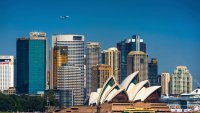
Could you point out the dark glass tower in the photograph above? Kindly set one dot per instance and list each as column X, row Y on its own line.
column 153, row 72
column 125, row 46
column 31, row 64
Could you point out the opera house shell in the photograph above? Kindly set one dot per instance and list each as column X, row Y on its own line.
column 130, row 90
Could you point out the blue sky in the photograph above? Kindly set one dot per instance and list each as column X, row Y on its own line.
column 171, row 28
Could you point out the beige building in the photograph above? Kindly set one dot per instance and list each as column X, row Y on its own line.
column 100, row 73
column 112, row 58
column 181, row 81
column 138, row 61
column 165, row 83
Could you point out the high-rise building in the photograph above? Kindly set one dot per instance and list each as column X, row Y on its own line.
column 112, row 58
column 125, row 46
column 181, row 81
column 59, row 58
column 75, row 45
column 138, row 61
column 165, row 84
column 93, row 53
column 69, row 78
column 100, row 73
column 32, row 63
column 15, row 73
column 6, row 72
column 153, row 72
column 103, row 57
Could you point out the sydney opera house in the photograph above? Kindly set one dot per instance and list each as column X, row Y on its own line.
column 130, row 94
column 128, row 91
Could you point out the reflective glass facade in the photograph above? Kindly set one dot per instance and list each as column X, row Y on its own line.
column 153, row 72
column 125, row 47
column 31, row 65
column 75, row 45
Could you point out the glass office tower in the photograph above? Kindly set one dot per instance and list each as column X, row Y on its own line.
column 75, row 45
column 125, row 46
column 32, row 63
column 153, row 72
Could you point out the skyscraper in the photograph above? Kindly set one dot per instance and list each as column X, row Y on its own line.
column 93, row 53
column 100, row 73
column 181, row 81
column 153, row 72
column 75, row 45
column 59, row 58
column 69, row 80
column 6, row 72
column 32, row 63
column 125, row 46
column 165, row 84
column 112, row 58
column 138, row 61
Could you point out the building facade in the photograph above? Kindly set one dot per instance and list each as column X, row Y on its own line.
column 112, row 58
column 138, row 61
column 59, row 58
column 32, row 63
column 181, row 81
column 69, row 78
column 165, row 84
column 75, row 45
column 6, row 72
column 93, row 57
column 153, row 72
column 125, row 46
column 100, row 73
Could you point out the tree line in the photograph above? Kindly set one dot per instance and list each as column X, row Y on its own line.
column 26, row 103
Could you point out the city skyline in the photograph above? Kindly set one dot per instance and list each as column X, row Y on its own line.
column 171, row 34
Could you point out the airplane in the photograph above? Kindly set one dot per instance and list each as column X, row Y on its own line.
column 64, row 17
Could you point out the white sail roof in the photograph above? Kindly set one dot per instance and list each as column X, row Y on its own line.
column 134, row 90
column 145, row 92
column 126, row 82
column 93, row 98
column 106, row 88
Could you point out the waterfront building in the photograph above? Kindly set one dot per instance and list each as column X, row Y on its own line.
column 181, row 81
column 6, row 72
column 112, row 58
column 100, row 73
column 32, row 63
column 129, row 96
column 125, row 46
column 153, row 72
column 93, row 57
column 138, row 61
column 75, row 45
column 165, row 84
column 187, row 102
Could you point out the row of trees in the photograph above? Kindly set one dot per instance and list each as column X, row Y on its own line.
column 26, row 103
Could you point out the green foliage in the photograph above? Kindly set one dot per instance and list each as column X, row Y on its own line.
column 51, row 97
column 25, row 103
